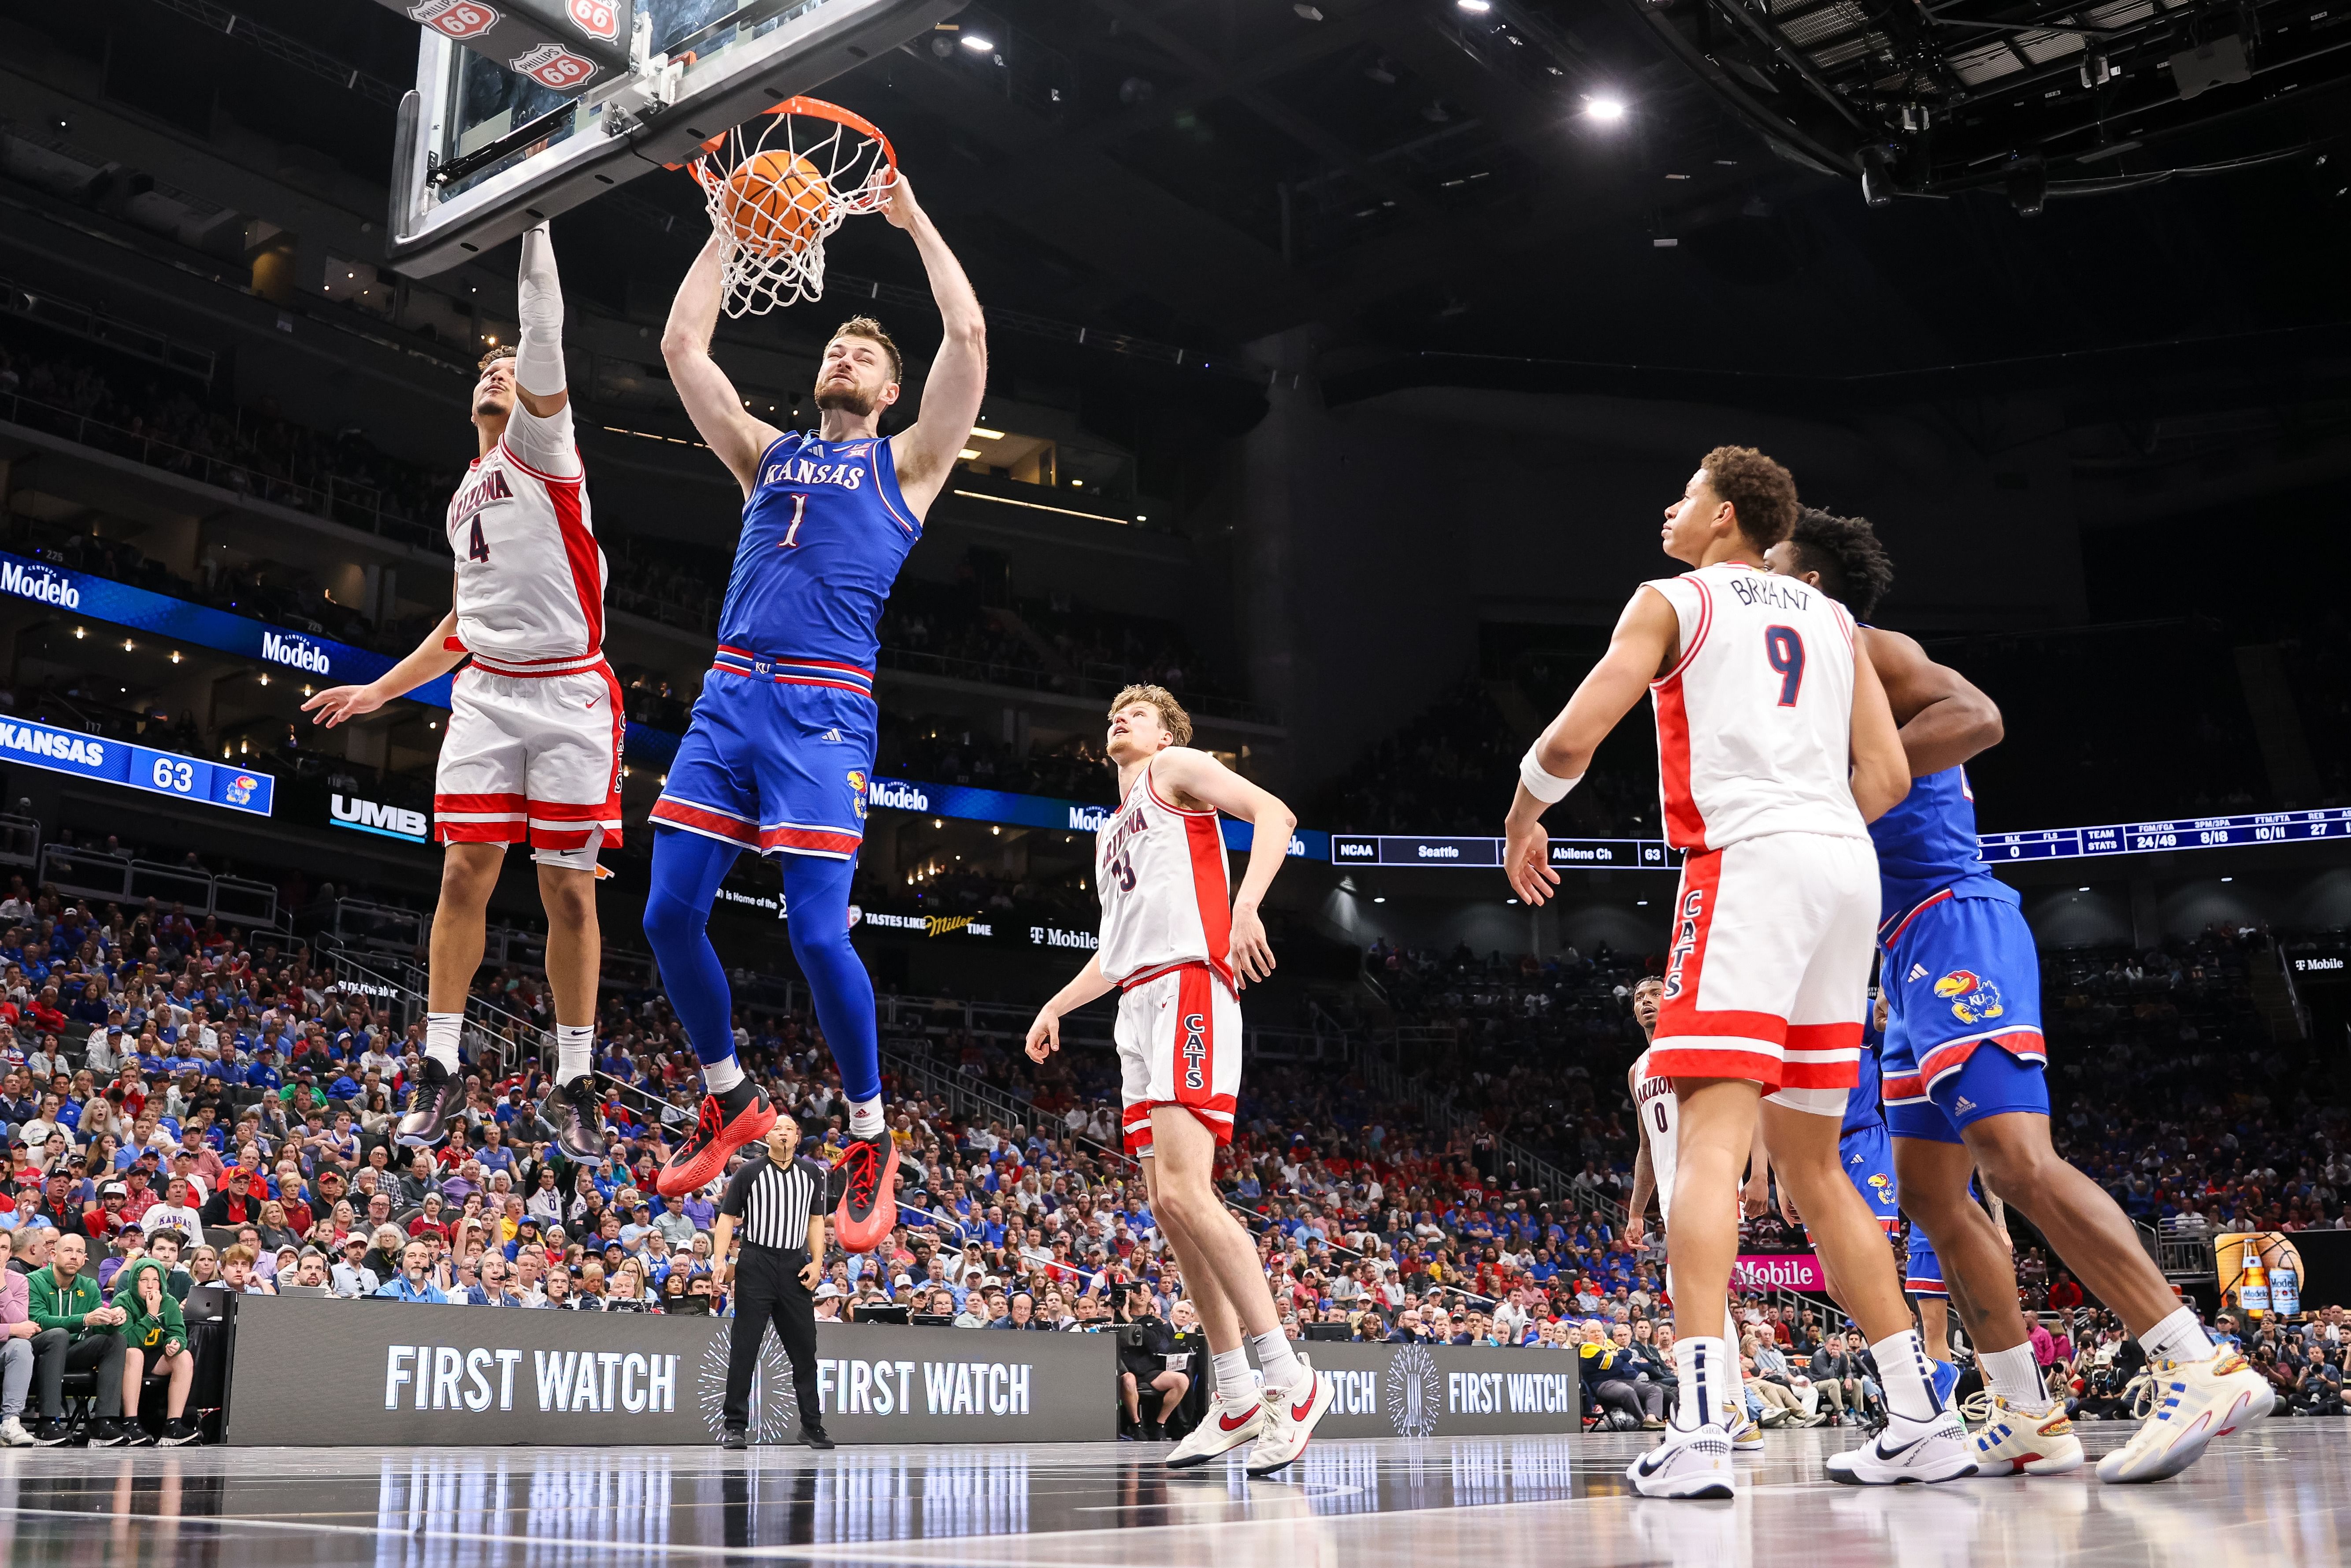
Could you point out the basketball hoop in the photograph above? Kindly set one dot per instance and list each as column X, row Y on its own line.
column 777, row 196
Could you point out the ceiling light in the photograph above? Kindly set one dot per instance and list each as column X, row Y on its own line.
column 1640, row 903
column 175, row 655
column 986, row 434
column 974, row 42
column 1141, row 519
column 2227, row 878
column 80, row 632
column 127, row 645
column 1608, row 110
column 1379, row 898
column 1308, row 12
column 1474, row 8
column 2080, row 889
column 968, row 454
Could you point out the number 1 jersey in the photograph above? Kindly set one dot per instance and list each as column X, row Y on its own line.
column 1755, row 718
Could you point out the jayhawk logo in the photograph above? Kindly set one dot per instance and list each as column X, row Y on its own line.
column 1973, row 999
column 857, row 792
column 241, row 788
column 1883, row 1185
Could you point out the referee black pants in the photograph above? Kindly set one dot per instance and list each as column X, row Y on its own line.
column 768, row 1288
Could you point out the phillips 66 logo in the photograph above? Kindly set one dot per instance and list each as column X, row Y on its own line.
column 552, row 65
column 458, row 18
column 597, row 18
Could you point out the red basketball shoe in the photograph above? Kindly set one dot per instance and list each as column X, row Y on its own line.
column 867, row 1170
column 742, row 1115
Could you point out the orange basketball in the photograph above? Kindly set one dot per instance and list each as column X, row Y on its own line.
column 774, row 203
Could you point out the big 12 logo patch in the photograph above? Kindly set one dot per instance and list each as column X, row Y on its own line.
column 552, row 65
column 456, row 18
column 597, row 18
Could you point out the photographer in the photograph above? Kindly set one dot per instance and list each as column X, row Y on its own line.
column 1145, row 1367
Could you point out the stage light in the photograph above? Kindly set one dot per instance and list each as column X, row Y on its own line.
column 1608, row 110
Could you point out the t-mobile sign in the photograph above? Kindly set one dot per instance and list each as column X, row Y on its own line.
column 1779, row 1271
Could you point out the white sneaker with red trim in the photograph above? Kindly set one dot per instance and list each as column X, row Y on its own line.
column 1228, row 1424
column 1291, row 1417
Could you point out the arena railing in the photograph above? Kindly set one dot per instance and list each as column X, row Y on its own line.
column 124, row 878
column 20, row 841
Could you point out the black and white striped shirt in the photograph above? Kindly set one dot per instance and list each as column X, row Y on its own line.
column 774, row 1202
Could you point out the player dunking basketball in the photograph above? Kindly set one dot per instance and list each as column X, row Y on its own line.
column 1179, row 954
column 533, row 749
column 1775, row 748
column 1967, row 1067
column 781, row 746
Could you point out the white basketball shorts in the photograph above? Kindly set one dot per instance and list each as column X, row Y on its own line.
column 532, row 759
column 1768, row 973
column 1179, row 1043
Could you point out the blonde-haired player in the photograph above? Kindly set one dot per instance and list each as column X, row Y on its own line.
column 1179, row 955
column 533, row 749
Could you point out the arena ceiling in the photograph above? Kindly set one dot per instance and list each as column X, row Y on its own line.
column 1470, row 187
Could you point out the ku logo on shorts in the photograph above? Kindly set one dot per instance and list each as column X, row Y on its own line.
column 1196, row 1050
column 1972, row 998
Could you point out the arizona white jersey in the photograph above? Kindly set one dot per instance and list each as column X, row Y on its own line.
column 1755, row 718
column 531, row 576
column 1660, row 1111
column 1165, row 899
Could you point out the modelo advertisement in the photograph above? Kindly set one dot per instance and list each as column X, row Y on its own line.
column 307, row 1371
column 1446, row 1391
column 2288, row 1272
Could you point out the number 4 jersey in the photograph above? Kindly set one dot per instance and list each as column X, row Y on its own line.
column 531, row 576
column 1755, row 718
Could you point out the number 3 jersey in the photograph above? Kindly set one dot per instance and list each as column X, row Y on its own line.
column 1160, row 871
column 531, row 576
column 1755, row 718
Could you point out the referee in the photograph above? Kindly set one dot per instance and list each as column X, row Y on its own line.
column 779, row 1202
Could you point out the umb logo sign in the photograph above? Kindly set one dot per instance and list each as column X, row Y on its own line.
column 284, row 648
column 374, row 816
column 457, row 18
column 40, row 584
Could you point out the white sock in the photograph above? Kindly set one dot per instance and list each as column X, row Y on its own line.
column 1734, row 1391
column 1698, row 1361
column 575, row 1052
column 718, row 1077
column 1277, row 1360
column 2179, row 1337
column 441, row 1038
column 1904, row 1372
column 1233, row 1375
column 2014, row 1375
column 865, row 1118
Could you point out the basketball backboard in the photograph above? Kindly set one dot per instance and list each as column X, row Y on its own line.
column 483, row 151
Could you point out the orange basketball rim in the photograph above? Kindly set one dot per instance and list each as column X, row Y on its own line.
column 777, row 195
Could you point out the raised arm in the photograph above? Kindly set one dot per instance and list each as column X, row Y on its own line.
column 925, row 451
column 710, row 399
column 539, row 383
column 1200, row 777
column 1640, row 645
column 1945, row 719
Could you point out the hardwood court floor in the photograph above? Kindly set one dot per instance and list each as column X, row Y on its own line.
column 2275, row 1495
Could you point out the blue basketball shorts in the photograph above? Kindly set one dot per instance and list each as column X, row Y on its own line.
column 778, row 759
column 1923, row 1276
column 1868, row 1156
column 1962, row 974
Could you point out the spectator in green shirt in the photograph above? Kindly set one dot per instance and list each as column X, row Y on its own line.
column 154, row 1338
column 77, row 1335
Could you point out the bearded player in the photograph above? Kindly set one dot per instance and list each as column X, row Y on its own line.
column 1179, row 953
column 1966, row 1074
column 533, row 750
column 781, row 746
column 1775, row 749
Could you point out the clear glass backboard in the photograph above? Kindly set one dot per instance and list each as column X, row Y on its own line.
column 483, row 152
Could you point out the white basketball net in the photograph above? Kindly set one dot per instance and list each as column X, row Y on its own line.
column 856, row 164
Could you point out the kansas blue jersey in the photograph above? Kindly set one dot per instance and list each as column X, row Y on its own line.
column 1928, row 842
column 824, row 533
